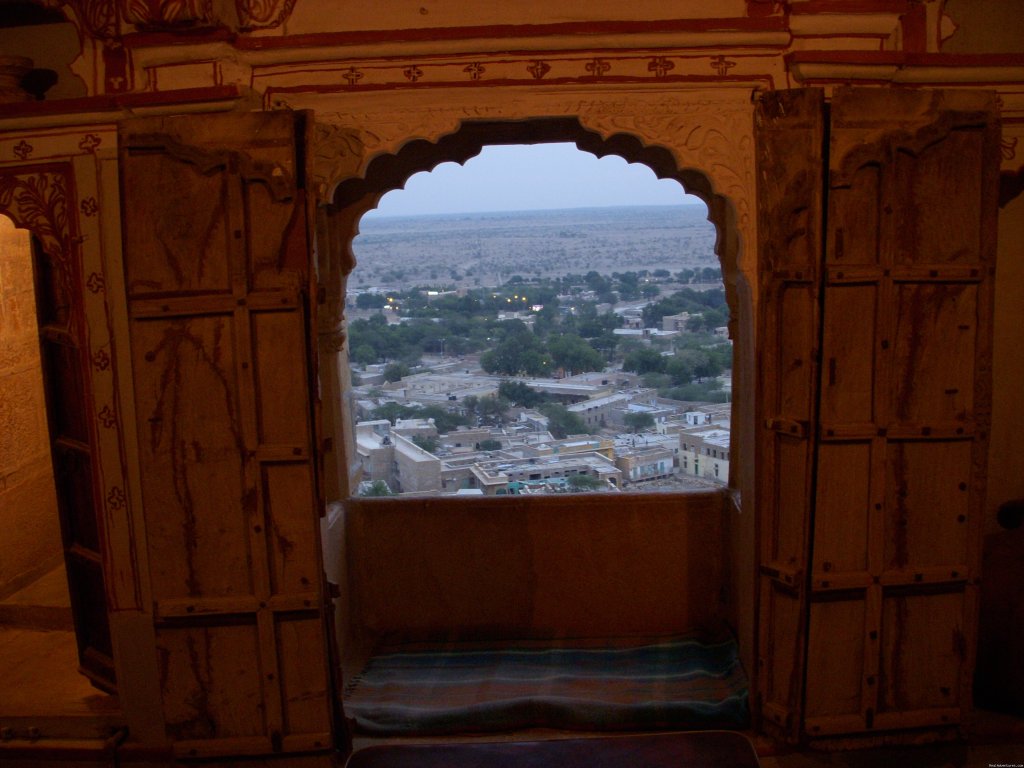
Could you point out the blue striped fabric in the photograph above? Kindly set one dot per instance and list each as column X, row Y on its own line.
column 625, row 684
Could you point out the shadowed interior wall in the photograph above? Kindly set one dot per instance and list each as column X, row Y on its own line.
column 1005, row 480
column 593, row 565
column 30, row 544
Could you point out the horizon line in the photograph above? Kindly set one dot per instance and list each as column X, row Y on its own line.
column 377, row 214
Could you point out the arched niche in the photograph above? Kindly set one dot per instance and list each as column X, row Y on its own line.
column 355, row 167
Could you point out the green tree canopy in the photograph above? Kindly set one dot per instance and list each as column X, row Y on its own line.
column 584, row 482
column 574, row 354
column 519, row 393
column 428, row 443
column 517, row 354
column 562, row 422
column 638, row 421
column 396, row 371
column 493, row 408
column 377, row 488
column 644, row 360
column 369, row 301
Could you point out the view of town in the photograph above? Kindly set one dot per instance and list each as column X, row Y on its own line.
column 546, row 352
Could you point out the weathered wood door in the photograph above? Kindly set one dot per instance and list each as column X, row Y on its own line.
column 790, row 131
column 64, row 355
column 219, row 279
column 905, row 382
column 868, row 600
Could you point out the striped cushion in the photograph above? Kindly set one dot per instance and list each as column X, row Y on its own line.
column 664, row 683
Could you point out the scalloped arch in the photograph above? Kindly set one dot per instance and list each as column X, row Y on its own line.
column 383, row 172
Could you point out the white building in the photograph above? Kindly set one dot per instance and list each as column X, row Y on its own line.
column 704, row 452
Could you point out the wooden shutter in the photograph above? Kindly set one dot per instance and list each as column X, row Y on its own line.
column 218, row 273
column 65, row 360
column 904, row 408
column 789, row 129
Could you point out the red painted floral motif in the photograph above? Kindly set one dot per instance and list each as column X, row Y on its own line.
column 164, row 14
column 598, row 67
column 101, row 360
column 107, row 417
column 89, row 142
column 89, row 206
column 538, row 69
column 412, row 73
column 96, row 282
column 475, row 70
column 23, row 149
column 116, row 498
column 38, row 202
column 353, row 75
column 721, row 65
column 263, row 14
column 659, row 65
column 99, row 17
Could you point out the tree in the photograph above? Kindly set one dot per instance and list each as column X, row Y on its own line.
column 597, row 282
column 493, row 408
column 707, row 392
column 562, row 422
column 519, row 353
column 377, row 488
column 369, row 301
column 519, row 393
column 574, row 354
column 444, row 420
column 637, row 421
column 490, row 444
column 396, row 372
column 644, row 360
column 687, row 364
column 629, row 285
column 656, row 380
column 364, row 354
column 428, row 443
column 391, row 411
column 584, row 482
column 606, row 344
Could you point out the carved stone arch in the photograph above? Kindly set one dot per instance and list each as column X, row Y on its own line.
column 691, row 142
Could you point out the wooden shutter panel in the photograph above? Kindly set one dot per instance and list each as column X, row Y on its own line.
column 789, row 129
column 218, row 273
column 904, row 408
column 65, row 361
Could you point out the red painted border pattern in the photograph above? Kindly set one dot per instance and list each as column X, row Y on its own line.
column 433, row 34
column 122, row 102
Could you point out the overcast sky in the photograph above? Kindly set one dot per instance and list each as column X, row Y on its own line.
column 526, row 178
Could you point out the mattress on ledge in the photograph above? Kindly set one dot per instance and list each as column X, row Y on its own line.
column 677, row 683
